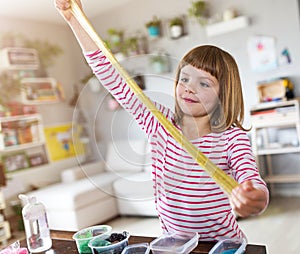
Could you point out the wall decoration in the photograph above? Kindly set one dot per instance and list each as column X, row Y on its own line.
column 63, row 142
column 262, row 53
column 285, row 57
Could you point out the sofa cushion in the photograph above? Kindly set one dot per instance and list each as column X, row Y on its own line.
column 138, row 186
column 135, row 195
column 82, row 171
column 75, row 195
column 125, row 155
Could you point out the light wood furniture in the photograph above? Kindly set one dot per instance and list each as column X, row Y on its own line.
column 271, row 118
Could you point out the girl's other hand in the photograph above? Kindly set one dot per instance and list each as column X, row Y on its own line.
column 247, row 200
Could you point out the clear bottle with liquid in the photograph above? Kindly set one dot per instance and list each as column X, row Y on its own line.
column 36, row 225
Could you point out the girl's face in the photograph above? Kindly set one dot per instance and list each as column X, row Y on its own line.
column 197, row 92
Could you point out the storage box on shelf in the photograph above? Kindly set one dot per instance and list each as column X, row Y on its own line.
column 40, row 91
column 19, row 59
column 22, row 142
column 273, row 117
column 275, row 90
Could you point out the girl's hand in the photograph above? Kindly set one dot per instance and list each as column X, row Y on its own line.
column 247, row 200
column 64, row 7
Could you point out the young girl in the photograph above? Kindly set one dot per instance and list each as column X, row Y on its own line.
column 209, row 112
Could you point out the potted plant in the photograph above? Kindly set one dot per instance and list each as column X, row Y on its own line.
column 176, row 27
column 159, row 62
column 115, row 35
column 10, row 85
column 199, row 11
column 47, row 52
column 153, row 27
column 130, row 46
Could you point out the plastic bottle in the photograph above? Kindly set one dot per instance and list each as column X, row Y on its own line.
column 36, row 225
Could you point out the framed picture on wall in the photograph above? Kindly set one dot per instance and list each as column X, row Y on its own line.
column 15, row 161
column 64, row 142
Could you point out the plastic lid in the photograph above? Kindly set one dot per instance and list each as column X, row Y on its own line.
column 174, row 243
column 26, row 199
column 235, row 246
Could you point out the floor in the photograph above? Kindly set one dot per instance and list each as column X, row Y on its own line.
column 278, row 227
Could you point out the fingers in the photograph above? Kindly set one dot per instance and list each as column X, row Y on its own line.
column 62, row 4
column 246, row 200
column 247, row 186
column 246, row 192
column 246, row 206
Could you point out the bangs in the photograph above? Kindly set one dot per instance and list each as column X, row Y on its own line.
column 207, row 58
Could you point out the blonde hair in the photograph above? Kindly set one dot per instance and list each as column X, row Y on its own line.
column 221, row 65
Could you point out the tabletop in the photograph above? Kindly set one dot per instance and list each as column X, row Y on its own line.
column 67, row 246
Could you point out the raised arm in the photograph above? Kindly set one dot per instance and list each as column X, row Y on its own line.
column 84, row 40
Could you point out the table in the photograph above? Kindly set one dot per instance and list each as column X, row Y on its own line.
column 67, row 246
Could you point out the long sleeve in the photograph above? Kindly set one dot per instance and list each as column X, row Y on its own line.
column 118, row 87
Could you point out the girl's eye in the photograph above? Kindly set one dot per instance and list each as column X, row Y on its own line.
column 204, row 84
column 185, row 80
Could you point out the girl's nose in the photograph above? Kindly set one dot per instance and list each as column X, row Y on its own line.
column 189, row 90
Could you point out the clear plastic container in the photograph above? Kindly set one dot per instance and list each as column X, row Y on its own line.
column 139, row 248
column 36, row 225
column 85, row 235
column 229, row 246
column 96, row 245
column 174, row 243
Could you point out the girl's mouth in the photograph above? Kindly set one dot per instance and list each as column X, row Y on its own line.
column 189, row 100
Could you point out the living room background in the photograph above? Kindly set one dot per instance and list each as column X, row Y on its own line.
column 281, row 22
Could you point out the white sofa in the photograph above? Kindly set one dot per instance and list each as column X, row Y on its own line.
column 96, row 192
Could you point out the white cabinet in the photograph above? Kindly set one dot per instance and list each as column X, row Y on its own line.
column 22, row 142
column 276, row 130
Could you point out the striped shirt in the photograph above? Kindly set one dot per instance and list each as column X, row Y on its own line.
column 187, row 199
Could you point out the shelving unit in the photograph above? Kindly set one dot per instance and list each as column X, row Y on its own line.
column 268, row 118
column 22, row 142
column 227, row 26
column 22, row 138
